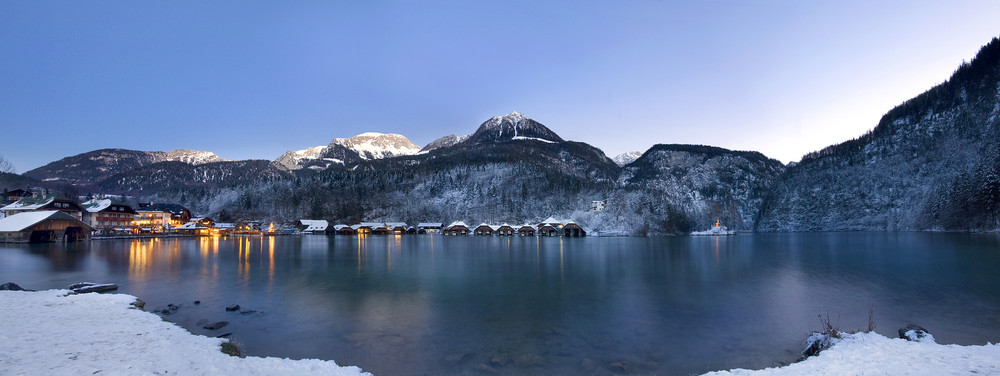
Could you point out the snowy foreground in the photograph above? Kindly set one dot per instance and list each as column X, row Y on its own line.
column 52, row 333
column 874, row 354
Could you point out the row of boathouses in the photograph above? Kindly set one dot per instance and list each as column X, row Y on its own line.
column 548, row 227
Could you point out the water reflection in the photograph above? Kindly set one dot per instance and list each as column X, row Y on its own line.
column 446, row 305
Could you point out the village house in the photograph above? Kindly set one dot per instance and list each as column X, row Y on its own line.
column 204, row 221
column 457, row 228
column 223, row 228
column 193, row 228
column 108, row 216
column 179, row 215
column 43, row 202
column 598, row 205
column 15, row 195
column 43, row 227
column 248, row 227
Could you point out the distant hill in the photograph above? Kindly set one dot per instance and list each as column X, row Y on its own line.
column 931, row 163
column 704, row 183
column 90, row 167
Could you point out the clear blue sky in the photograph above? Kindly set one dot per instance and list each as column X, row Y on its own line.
column 249, row 79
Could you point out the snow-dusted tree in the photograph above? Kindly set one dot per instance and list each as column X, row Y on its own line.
column 6, row 166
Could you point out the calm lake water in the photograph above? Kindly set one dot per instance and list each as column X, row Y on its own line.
column 432, row 305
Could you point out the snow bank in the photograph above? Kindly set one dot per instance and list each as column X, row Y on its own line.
column 874, row 354
column 50, row 333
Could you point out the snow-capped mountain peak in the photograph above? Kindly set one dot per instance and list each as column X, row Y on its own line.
column 626, row 158
column 193, row 157
column 292, row 158
column 374, row 145
column 513, row 126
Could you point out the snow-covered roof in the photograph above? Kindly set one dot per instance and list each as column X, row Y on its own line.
column 395, row 224
column 458, row 223
column 224, row 225
column 29, row 203
column 340, row 227
column 315, row 224
column 551, row 221
column 429, row 224
column 21, row 221
column 191, row 226
column 372, row 224
column 95, row 205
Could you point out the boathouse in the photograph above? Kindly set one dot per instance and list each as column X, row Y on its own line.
column 313, row 226
column 396, row 228
column 429, row 227
column 547, row 230
column 457, row 228
column 344, row 230
column 44, row 203
column 571, row 229
column 505, row 230
column 526, row 230
column 43, row 227
column 484, row 230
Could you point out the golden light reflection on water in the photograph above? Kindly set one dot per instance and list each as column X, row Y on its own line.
column 270, row 262
column 361, row 249
column 139, row 259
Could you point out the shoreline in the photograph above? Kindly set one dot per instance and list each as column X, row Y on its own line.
column 54, row 332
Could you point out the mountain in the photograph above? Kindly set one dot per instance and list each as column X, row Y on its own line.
column 174, row 175
column 513, row 126
column 703, row 183
column 349, row 151
column 293, row 159
column 373, row 145
column 193, row 157
column 626, row 158
column 90, row 167
column 86, row 168
column 932, row 162
column 443, row 142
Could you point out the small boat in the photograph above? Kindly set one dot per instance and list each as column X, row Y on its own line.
column 718, row 229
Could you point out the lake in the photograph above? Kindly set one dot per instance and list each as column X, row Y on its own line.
column 432, row 305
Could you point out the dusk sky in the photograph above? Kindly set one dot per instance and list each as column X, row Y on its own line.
column 250, row 79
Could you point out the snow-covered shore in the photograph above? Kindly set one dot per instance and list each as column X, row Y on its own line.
column 50, row 332
column 874, row 354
